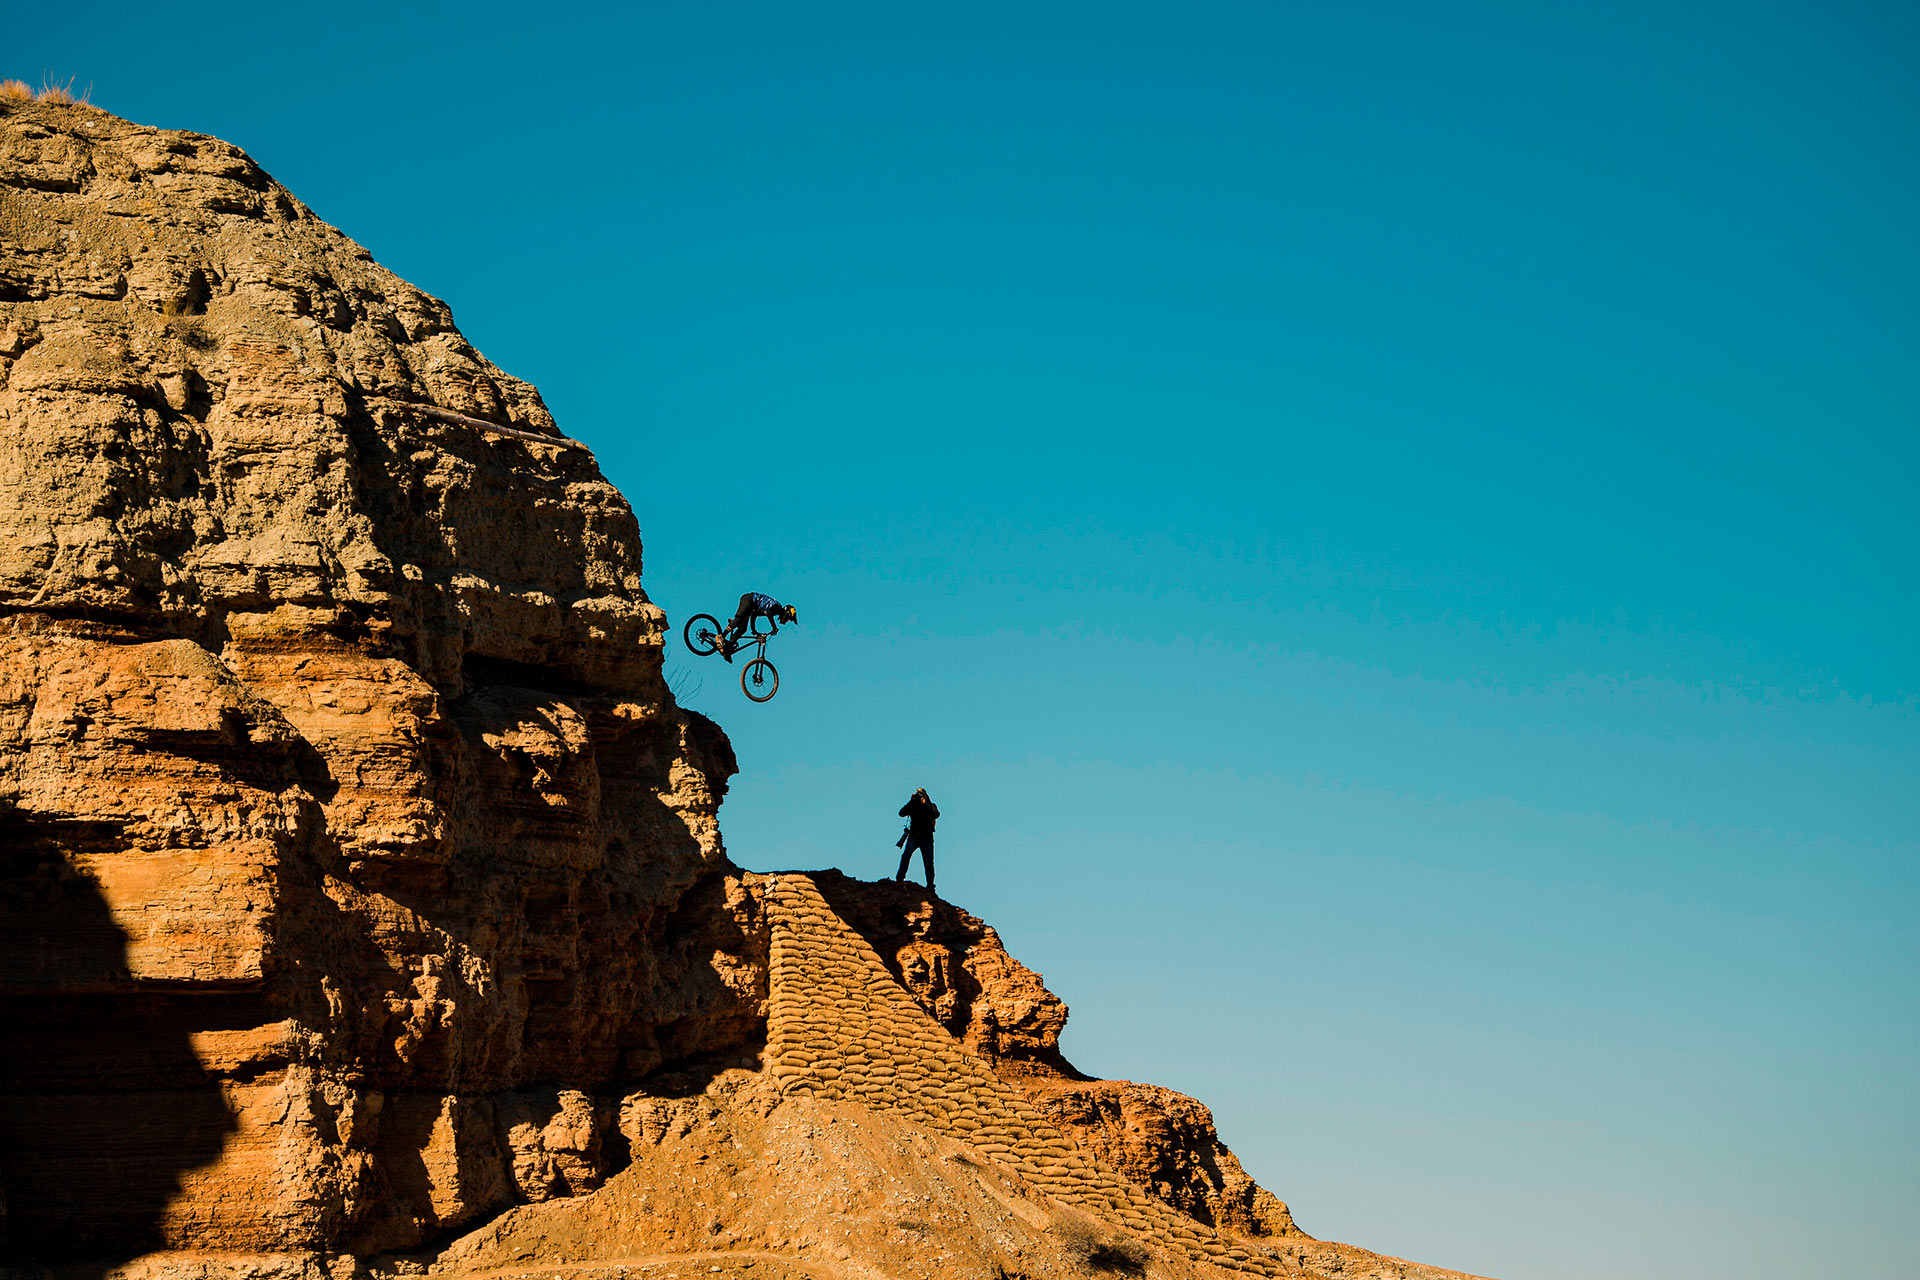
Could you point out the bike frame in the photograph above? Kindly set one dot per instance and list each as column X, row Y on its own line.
column 754, row 635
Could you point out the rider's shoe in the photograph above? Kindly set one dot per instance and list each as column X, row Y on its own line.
column 726, row 650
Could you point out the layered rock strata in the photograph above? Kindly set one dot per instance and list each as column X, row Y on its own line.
column 353, row 845
column 363, row 905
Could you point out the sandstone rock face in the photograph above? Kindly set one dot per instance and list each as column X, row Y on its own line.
column 353, row 845
column 363, row 905
column 1165, row 1142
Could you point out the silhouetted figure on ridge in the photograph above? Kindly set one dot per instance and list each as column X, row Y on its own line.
column 921, row 813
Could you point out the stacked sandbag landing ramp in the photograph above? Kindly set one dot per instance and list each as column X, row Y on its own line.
column 840, row 1027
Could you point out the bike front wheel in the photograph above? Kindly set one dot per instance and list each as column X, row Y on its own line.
column 702, row 634
column 759, row 680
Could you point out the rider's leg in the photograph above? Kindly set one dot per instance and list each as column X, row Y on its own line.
column 736, row 627
column 742, row 616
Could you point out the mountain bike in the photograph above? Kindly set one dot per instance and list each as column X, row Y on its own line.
column 758, row 679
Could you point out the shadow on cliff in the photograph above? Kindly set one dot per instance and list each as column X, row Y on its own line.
column 104, row 1106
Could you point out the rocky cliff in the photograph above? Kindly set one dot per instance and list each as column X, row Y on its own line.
column 363, row 906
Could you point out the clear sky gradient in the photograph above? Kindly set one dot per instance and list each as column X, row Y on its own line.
column 1388, row 529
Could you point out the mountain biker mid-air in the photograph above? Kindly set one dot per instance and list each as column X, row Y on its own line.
column 753, row 605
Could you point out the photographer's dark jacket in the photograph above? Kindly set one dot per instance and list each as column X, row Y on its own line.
column 920, row 815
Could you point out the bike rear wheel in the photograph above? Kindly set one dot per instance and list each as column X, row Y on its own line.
column 702, row 634
column 759, row 680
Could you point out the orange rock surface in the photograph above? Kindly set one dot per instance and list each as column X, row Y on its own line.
column 363, row 903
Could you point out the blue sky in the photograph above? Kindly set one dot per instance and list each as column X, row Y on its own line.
column 1388, row 529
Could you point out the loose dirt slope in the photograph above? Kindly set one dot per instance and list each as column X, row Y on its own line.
column 363, row 906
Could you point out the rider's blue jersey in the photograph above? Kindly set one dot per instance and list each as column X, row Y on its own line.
column 765, row 604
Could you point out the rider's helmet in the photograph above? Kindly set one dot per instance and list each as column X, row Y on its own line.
column 793, row 614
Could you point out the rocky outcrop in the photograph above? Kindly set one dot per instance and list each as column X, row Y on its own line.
column 1165, row 1143
column 363, row 904
column 352, row 839
column 957, row 970
column 954, row 965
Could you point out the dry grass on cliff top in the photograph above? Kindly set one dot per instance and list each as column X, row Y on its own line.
column 61, row 95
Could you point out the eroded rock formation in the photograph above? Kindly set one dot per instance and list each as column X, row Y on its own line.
column 334, row 753
column 362, row 897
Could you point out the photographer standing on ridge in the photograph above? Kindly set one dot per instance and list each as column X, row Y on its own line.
column 921, row 813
